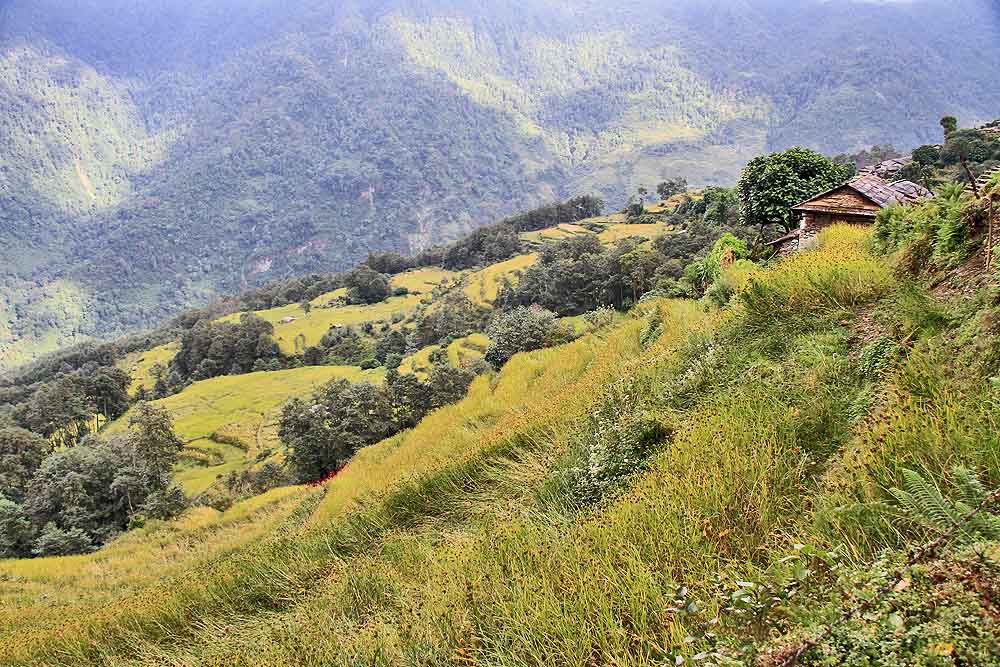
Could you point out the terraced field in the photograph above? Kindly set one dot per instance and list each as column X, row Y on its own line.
column 482, row 286
column 228, row 421
column 461, row 352
column 560, row 512
column 295, row 329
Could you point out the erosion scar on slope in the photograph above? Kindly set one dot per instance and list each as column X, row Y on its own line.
column 88, row 186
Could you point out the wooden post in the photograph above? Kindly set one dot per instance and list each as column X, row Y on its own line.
column 989, row 237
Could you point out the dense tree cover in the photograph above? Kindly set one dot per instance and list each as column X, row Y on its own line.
column 280, row 293
column 454, row 316
column 223, row 348
column 579, row 274
column 232, row 189
column 64, row 408
column 21, row 454
column 867, row 157
column 771, row 184
column 964, row 151
column 970, row 145
column 78, row 498
column 324, row 431
column 340, row 346
column 571, row 277
column 715, row 206
column 499, row 241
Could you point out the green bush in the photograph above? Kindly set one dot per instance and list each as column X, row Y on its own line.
column 936, row 230
column 522, row 329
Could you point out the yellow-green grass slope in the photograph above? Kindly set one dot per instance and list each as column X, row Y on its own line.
column 551, row 516
column 37, row 596
column 139, row 365
column 295, row 329
column 229, row 422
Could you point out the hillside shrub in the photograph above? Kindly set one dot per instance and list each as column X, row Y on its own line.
column 55, row 541
column 730, row 281
column 579, row 274
column 935, row 232
column 522, row 329
column 366, row 286
column 17, row 533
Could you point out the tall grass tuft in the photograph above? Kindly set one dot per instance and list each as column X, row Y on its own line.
column 826, row 282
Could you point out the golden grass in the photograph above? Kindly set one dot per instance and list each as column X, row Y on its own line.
column 525, row 395
column 423, row 280
column 139, row 364
column 482, row 286
column 420, row 596
column 832, row 278
column 38, row 595
column 308, row 328
column 455, row 542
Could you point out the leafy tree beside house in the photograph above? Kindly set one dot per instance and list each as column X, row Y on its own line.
column 770, row 185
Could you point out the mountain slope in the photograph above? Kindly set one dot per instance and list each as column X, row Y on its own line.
column 159, row 155
column 689, row 481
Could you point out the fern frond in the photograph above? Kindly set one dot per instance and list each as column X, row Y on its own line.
column 930, row 502
column 983, row 526
column 924, row 503
column 972, row 490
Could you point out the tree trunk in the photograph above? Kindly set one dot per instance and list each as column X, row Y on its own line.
column 972, row 179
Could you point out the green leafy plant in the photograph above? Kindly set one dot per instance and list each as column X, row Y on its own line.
column 923, row 502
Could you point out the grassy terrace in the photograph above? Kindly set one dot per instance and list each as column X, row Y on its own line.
column 243, row 409
column 482, row 286
column 307, row 329
column 140, row 365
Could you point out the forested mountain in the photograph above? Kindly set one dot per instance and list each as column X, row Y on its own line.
column 155, row 154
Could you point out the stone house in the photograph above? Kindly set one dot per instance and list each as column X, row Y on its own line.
column 855, row 202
